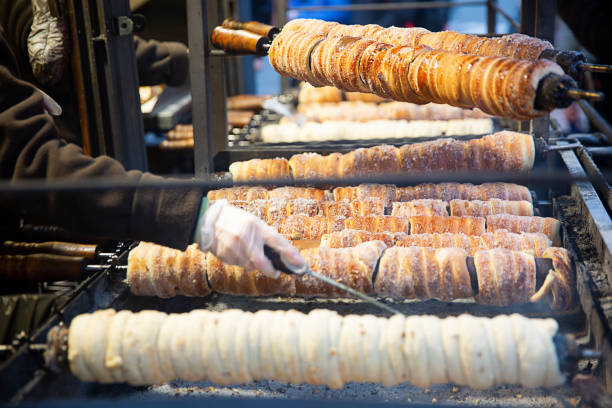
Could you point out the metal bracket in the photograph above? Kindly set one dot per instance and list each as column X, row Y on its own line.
column 124, row 25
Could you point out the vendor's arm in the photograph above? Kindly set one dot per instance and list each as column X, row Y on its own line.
column 30, row 147
column 161, row 62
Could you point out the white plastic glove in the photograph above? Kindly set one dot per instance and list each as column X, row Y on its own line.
column 237, row 238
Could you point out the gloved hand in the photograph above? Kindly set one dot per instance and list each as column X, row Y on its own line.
column 237, row 238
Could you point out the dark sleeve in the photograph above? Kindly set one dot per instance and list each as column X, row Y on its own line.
column 161, row 62
column 590, row 21
column 31, row 148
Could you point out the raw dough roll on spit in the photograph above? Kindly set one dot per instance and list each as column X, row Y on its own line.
column 321, row 347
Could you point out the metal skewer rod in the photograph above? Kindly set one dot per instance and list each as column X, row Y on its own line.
column 97, row 268
column 39, row 347
column 600, row 68
column 582, row 94
column 355, row 293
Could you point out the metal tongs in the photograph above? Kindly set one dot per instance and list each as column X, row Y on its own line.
column 285, row 267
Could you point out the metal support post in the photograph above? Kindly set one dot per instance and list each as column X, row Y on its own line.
column 491, row 16
column 538, row 20
column 107, row 77
column 207, row 88
column 280, row 8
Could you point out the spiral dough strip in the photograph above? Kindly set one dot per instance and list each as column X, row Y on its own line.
column 319, row 348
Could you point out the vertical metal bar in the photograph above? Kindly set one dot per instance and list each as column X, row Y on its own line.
column 217, row 86
column 90, row 107
column 197, row 26
column 233, row 66
column 245, row 13
column 538, row 20
column 118, row 80
column 207, row 88
column 491, row 16
column 281, row 18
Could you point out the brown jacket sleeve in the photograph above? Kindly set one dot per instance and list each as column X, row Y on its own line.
column 30, row 147
column 161, row 62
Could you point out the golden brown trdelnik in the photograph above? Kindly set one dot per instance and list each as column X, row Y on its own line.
column 155, row 270
column 261, row 169
column 423, row 273
column 421, row 224
column 478, row 208
column 501, row 151
column 497, row 85
column 519, row 224
column 351, row 237
column 504, row 276
column 517, row 46
column 387, row 193
column 424, row 206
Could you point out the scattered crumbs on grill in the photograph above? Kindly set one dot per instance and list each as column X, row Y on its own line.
column 570, row 214
column 434, row 400
column 519, row 396
column 454, row 389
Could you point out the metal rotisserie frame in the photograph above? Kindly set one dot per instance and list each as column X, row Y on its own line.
column 587, row 234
